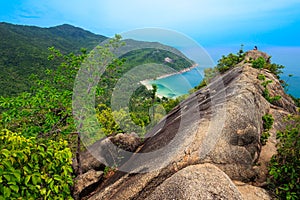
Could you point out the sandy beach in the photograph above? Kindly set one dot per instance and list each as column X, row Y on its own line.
column 149, row 86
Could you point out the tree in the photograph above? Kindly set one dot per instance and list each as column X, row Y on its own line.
column 46, row 111
column 154, row 91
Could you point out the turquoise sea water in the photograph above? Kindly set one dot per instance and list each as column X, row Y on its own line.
column 178, row 84
column 294, row 85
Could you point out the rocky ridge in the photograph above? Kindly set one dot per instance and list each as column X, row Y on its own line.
column 208, row 147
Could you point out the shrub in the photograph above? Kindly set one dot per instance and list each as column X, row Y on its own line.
column 284, row 169
column 261, row 77
column 266, row 93
column 268, row 121
column 259, row 63
column 32, row 169
column 267, row 124
column 229, row 61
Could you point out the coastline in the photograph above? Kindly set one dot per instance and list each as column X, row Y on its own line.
column 149, row 86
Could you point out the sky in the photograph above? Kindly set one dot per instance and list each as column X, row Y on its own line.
column 220, row 26
column 214, row 22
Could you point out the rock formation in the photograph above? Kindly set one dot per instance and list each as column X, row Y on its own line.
column 208, row 147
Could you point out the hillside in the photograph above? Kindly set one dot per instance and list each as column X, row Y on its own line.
column 24, row 50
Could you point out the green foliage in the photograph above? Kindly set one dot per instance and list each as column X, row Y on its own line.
column 284, row 168
column 152, row 55
column 132, row 59
column 261, row 77
column 42, row 117
column 259, row 63
column 268, row 121
column 274, row 68
column 224, row 64
column 169, row 104
column 267, row 124
column 24, row 51
column 266, row 92
column 34, row 169
column 229, row 61
column 264, row 137
column 47, row 109
column 113, row 122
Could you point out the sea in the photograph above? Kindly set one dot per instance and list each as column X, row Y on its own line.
column 177, row 84
column 181, row 83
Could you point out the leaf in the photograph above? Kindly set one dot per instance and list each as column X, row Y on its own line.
column 17, row 175
column 5, row 152
column 56, row 189
column 27, row 179
column 34, row 179
column 43, row 191
column 7, row 177
column 15, row 188
column 6, row 192
column 57, row 177
column 1, row 170
column 26, row 169
column 7, row 164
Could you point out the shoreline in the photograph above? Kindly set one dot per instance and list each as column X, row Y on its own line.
column 149, row 86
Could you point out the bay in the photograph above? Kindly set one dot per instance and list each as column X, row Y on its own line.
column 181, row 83
column 178, row 84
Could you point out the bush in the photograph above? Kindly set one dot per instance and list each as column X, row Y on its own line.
column 229, row 61
column 267, row 124
column 261, row 77
column 259, row 63
column 268, row 121
column 284, row 169
column 32, row 169
column 266, row 93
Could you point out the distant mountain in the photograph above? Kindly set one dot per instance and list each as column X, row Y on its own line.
column 24, row 50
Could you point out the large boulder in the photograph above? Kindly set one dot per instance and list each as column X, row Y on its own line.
column 197, row 182
column 95, row 155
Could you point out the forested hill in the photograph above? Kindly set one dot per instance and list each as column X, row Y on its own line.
column 24, row 50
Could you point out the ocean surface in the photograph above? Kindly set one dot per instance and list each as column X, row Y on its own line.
column 180, row 84
column 293, row 84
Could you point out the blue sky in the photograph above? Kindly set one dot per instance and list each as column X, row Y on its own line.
column 220, row 26
column 214, row 22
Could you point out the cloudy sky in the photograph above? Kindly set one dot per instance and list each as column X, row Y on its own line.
column 220, row 26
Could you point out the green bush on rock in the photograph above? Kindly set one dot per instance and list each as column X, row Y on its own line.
column 34, row 170
column 284, row 169
column 268, row 121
